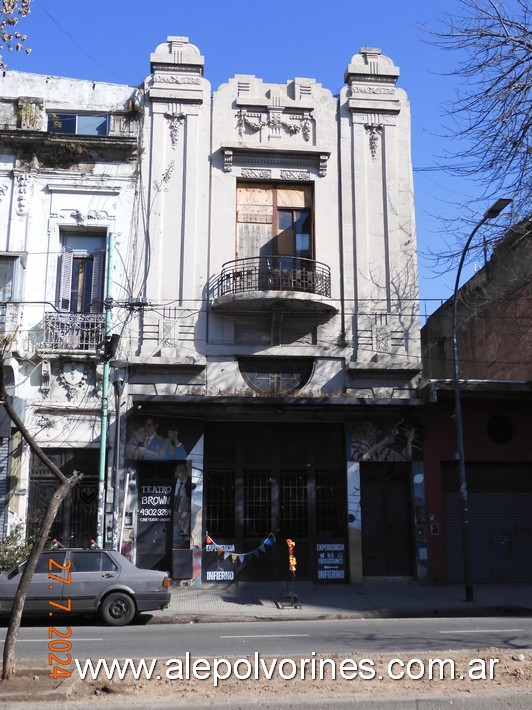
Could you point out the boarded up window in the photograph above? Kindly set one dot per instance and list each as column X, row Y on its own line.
column 258, row 208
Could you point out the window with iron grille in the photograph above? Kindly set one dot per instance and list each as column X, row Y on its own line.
column 271, row 376
column 294, row 502
column 330, row 504
column 257, row 503
column 220, row 505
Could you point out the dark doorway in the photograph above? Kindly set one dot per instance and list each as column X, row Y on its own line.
column 386, row 520
column 75, row 524
column 282, row 479
column 156, row 484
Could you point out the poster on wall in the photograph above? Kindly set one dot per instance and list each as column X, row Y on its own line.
column 223, row 562
column 381, row 440
column 330, row 558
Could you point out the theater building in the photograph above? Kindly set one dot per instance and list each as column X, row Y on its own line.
column 252, row 250
column 274, row 337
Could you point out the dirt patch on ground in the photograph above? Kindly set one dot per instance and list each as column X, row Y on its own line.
column 471, row 671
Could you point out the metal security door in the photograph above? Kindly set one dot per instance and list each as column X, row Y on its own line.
column 386, row 520
column 267, row 478
column 76, row 520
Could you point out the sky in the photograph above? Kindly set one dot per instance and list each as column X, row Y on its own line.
column 275, row 40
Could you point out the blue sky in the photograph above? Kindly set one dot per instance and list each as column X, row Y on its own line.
column 275, row 40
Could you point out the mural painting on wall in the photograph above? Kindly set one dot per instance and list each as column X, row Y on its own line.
column 151, row 440
column 163, row 493
column 377, row 440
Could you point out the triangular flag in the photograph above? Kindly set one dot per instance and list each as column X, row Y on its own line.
column 241, row 558
column 268, row 541
column 208, row 540
column 256, row 553
column 262, row 548
column 233, row 558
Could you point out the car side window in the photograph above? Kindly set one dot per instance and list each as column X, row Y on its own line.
column 92, row 562
column 43, row 564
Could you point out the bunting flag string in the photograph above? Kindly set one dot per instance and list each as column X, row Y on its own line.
column 240, row 556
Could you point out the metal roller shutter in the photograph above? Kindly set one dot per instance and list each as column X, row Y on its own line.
column 500, row 500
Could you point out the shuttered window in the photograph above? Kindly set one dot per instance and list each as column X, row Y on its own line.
column 82, row 273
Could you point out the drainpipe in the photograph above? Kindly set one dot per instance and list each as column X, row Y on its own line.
column 105, row 395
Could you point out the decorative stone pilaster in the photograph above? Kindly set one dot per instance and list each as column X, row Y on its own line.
column 24, row 182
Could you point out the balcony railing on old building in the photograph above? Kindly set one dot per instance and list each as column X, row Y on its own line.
column 275, row 273
column 73, row 331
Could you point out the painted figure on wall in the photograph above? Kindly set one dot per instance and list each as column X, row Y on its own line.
column 373, row 442
column 145, row 443
column 182, row 507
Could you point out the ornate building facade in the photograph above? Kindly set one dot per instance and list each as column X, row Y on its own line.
column 263, row 298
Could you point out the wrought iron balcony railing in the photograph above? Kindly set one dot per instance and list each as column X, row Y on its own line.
column 275, row 273
column 73, row 331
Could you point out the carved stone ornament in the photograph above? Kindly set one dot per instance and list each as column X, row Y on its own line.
column 175, row 123
column 24, row 185
column 172, row 79
column 4, row 187
column 73, row 377
column 374, row 133
column 374, row 90
column 228, row 160
column 323, row 165
column 254, row 122
column 294, row 175
column 256, row 174
column 85, row 217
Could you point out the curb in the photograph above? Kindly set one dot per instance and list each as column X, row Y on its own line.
column 392, row 613
column 36, row 678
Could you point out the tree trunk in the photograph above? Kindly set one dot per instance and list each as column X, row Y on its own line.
column 60, row 494
column 66, row 485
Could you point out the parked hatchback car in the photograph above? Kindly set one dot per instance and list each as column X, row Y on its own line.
column 90, row 581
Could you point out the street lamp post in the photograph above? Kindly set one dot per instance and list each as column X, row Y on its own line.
column 493, row 212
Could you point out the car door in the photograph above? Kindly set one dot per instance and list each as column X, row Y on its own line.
column 43, row 588
column 92, row 573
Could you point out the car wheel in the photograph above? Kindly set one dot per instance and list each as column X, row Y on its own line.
column 118, row 609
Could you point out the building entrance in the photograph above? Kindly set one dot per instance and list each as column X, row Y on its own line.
column 387, row 547
column 76, row 520
column 275, row 481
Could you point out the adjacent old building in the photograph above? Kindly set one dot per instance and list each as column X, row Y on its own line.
column 255, row 262
column 67, row 166
column 495, row 352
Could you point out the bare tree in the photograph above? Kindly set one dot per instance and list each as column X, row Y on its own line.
column 64, row 488
column 10, row 38
column 490, row 118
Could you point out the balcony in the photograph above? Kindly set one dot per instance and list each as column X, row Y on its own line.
column 273, row 282
column 73, row 332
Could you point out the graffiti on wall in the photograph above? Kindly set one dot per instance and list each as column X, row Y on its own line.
column 377, row 440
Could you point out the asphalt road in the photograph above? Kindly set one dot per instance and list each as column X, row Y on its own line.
column 347, row 636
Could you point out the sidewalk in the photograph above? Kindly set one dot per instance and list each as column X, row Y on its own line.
column 258, row 600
